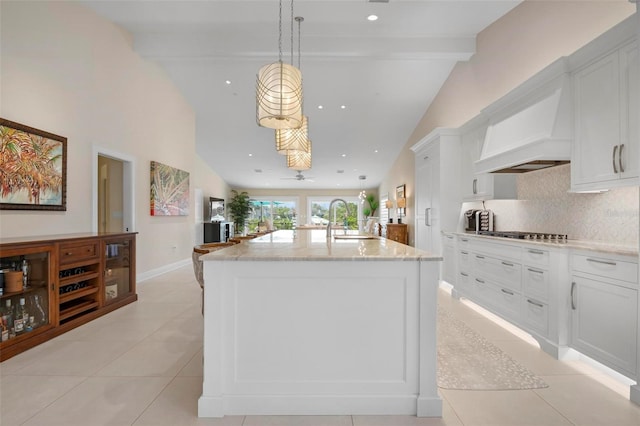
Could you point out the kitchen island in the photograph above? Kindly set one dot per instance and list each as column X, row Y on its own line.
column 298, row 323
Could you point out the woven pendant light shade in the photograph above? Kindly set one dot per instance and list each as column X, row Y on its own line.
column 299, row 160
column 279, row 96
column 288, row 140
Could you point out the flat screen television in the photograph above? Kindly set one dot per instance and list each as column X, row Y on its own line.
column 216, row 209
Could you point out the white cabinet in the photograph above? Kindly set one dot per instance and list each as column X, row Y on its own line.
column 482, row 186
column 449, row 258
column 604, row 302
column 605, row 146
column 437, row 196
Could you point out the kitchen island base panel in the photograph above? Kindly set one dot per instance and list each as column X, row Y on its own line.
column 319, row 338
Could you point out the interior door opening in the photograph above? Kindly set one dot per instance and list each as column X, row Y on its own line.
column 114, row 192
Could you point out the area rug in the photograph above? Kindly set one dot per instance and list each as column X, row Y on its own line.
column 466, row 360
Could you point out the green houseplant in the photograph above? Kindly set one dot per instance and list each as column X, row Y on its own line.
column 373, row 206
column 239, row 208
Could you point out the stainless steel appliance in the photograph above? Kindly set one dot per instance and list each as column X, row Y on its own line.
column 216, row 232
column 520, row 235
column 478, row 220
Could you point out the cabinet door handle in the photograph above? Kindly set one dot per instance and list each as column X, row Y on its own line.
column 539, row 305
column 480, row 281
column 427, row 216
column 510, row 293
column 604, row 262
column 535, row 270
column 479, row 257
column 620, row 158
column 464, row 274
column 573, row 291
column 615, row 149
column 464, row 252
column 464, row 240
column 507, row 264
column 535, row 251
column 475, row 186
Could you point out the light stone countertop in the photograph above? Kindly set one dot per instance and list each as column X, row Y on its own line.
column 313, row 245
column 597, row 246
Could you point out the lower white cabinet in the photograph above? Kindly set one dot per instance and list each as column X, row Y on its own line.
column 605, row 312
column 449, row 258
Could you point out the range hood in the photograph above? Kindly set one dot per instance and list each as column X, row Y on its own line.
column 530, row 128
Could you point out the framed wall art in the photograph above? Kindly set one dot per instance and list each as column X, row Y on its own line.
column 33, row 168
column 169, row 190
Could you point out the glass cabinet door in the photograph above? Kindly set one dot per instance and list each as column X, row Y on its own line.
column 118, row 273
column 25, row 302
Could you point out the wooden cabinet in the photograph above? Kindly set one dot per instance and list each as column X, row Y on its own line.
column 604, row 303
column 398, row 232
column 71, row 280
column 606, row 136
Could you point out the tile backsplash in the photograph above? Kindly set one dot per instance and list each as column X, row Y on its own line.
column 545, row 205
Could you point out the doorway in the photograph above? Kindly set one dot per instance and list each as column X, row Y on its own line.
column 113, row 192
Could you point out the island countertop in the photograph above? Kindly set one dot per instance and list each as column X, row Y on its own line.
column 312, row 244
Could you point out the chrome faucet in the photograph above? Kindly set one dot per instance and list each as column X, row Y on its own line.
column 330, row 206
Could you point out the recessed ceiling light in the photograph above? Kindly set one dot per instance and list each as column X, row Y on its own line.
column 250, row 155
column 372, row 18
column 228, row 81
column 344, row 155
column 343, row 106
column 337, row 184
column 320, row 107
column 375, row 150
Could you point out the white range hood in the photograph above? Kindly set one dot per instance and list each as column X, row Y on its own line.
column 530, row 128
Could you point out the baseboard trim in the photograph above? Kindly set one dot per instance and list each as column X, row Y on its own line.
column 144, row 276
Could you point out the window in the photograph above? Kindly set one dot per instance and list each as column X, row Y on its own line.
column 280, row 213
column 319, row 213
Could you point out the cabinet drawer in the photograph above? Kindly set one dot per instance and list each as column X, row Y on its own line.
column 464, row 260
column 606, row 267
column 536, row 282
column 536, row 315
column 535, row 256
column 509, row 304
column 77, row 252
column 504, row 272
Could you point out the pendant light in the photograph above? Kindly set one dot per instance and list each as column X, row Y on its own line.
column 299, row 160
column 288, row 140
column 279, row 91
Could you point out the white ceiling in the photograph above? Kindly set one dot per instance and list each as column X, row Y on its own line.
column 385, row 72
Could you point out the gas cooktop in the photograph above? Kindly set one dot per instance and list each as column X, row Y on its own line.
column 519, row 235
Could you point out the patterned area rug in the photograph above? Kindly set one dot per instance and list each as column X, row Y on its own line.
column 466, row 360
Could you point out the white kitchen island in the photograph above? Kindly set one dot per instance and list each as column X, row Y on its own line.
column 295, row 323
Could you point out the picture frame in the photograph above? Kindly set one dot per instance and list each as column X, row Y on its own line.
column 169, row 190
column 400, row 192
column 33, row 172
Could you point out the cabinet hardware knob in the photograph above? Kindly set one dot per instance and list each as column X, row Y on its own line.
column 620, row 158
column 539, row 305
column 507, row 264
column 510, row 293
column 464, row 274
column 615, row 149
column 69, row 253
column 480, row 281
column 464, row 252
column 573, row 290
column 479, row 257
column 535, row 251
column 535, row 270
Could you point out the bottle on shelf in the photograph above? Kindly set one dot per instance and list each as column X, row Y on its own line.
column 7, row 314
column 25, row 273
column 39, row 315
column 21, row 319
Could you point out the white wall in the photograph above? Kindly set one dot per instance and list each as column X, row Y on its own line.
column 68, row 71
column 508, row 52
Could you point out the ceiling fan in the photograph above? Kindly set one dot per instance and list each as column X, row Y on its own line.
column 299, row 176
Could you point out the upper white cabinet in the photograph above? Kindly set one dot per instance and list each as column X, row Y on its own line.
column 480, row 186
column 606, row 91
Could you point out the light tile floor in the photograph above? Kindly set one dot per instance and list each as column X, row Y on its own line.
column 141, row 365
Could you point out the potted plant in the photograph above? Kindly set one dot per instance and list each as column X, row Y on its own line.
column 239, row 208
column 373, row 205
